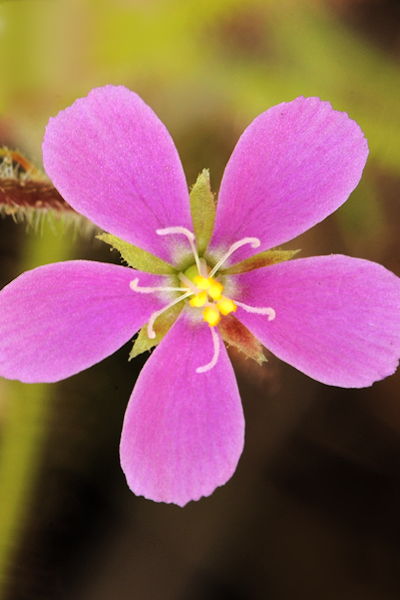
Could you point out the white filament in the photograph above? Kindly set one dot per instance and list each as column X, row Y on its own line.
column 213, row 361
column 190, row 236
column 267, row 310
column 150, row 331
column 255, row 242
column 150, row 290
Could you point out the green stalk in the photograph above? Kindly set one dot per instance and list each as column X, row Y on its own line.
column 26, row 409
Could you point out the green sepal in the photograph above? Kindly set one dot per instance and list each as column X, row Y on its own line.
column 137, row 257
column 262, row 259
column 234, row 333
column 161, row 327
column 202, row 208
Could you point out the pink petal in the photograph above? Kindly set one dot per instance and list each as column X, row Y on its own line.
column 64, row 317
column 337, row 318
column 183, row 431
column 114, row 161
column 293, row 166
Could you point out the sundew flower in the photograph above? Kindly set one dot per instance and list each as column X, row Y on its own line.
column 202, row 275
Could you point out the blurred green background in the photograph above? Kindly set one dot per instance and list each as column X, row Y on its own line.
column 312, row 511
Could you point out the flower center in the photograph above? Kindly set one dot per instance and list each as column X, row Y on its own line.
column 203, row 291
column 207, row 294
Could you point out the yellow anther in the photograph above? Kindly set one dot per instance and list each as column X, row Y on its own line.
column 215, row 290
column 226, row 305
column 211, row 315
column 213, row 287
column 203, row 283
column 198, row 300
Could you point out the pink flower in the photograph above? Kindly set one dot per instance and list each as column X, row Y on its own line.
column 333, row 317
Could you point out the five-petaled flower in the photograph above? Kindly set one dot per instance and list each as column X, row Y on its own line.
column 333, row 317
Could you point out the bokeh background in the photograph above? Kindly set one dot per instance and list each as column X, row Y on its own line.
column 313, row 509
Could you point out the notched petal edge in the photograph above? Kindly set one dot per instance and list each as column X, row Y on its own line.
column 161, row 327
column 202, row 208
column 262, row 259
column 237, row 335
column 136, row 257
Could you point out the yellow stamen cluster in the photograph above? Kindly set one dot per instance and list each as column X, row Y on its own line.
column 211, row 294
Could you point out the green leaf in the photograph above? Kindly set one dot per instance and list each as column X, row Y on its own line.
column 262, row 259
column 202, row 207
column 237, row 335
column 161, row 328
column 136, row 257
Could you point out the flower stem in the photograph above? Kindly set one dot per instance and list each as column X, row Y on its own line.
column 24, row 409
